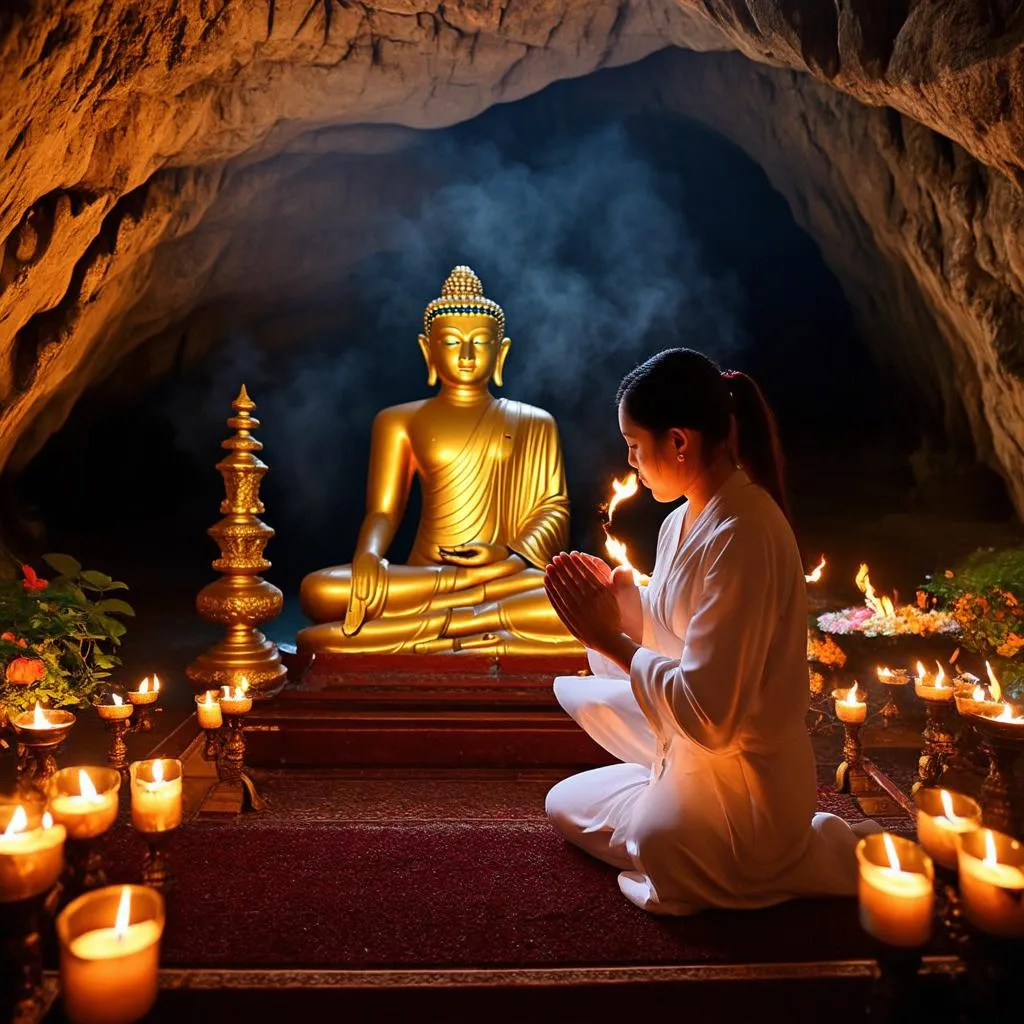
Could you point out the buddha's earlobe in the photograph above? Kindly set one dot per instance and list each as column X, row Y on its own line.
column 425, row 349
column 499, row 363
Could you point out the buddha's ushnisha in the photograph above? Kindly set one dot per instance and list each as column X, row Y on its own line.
column 495, row 508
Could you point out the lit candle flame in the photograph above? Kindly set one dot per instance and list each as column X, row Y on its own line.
column 1008, row 715
column 993, row 684
column 47, row 819
column 124, row 914
column 922, row 672
column 86, row 788
column 243, row 686
column 156, row 683
column 618, row 553
column 940, row 679
column 208, row 702
column 144, row 685
column 990, row 858
column 815, row 574
column 39, row 720
column 879, row 605
column 884, row 673
column 979, row 693
column 890, row 852
column 622, row 489
column 115, row 699
column 851, row 697
column 158, row 771
column 17, row 823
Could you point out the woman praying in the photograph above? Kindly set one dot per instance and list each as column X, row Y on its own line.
column 700, row 682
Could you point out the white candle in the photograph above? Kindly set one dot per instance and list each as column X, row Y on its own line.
column 84, row 800
column 895, row 890
column 237, row 701
column 930, row 687
column 849, row 708
column 156, row 794
column 31, row 852
column 942, row 817
column 108, row 961
column 992, row 882
column 208, row 710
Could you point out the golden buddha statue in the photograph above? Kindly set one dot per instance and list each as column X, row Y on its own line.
column 495, row 508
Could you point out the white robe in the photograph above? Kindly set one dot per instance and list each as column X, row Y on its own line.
column 714, row 803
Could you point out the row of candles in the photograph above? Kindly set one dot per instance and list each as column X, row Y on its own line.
column 896, row 887
column 109, row 937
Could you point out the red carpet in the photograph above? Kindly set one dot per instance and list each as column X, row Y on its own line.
column 444, row 893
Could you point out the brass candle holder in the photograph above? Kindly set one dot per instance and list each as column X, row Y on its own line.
column 1001, row 798
column 211, row 719
column 84, row 800
column 939, row 747
column 891, row 678
column 851, row 775
column 231, row 763
column 240, row 599
column 156, row 865
column 116, row 715
column 39, row 734
column 156, row 815
column 144, row 701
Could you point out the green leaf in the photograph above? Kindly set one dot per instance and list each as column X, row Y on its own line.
column 98, row 580
column 115, row 606
column 64, row 564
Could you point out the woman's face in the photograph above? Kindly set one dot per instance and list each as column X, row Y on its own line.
column 666, row 463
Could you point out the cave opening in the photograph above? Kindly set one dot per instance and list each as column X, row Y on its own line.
column 605, row 238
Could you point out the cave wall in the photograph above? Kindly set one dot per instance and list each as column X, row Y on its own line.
column 137, row 137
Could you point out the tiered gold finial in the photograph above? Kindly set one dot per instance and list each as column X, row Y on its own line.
column 463, row 292
column 240, row 599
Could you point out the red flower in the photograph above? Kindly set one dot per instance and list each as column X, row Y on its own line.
column 32, row 581
column 9, row 636
column 23, row 671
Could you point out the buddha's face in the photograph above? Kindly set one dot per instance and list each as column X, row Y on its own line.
column 464, row 349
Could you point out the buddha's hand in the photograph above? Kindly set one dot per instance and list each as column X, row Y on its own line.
column 477, row 552
column 367, row 576
column 583, row 596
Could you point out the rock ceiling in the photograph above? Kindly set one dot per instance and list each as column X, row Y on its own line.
column 135, row 136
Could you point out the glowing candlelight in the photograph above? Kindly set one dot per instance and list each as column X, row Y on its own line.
column 31, row 855
column 992, row 882
column 156, row 794
column 814, row 575
column 942, row 817
column 208, row 710
column 895, row 892
column 993, row 684
column 617, row 552
column 84, row 800
column 879, row 605
column 237, row 701
column 109, row 957
column 849, row 708
column 621, row 491
column 930, row 687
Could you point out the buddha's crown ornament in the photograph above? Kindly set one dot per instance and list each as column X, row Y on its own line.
column 463, row 293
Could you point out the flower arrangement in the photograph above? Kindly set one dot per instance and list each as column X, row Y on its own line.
column 824, row 651
column 906, row 620
column 59, row 635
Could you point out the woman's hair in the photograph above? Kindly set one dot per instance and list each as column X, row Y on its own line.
column 683, row 388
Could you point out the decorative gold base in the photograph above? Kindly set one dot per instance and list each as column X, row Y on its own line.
column 245, row 651
column 939, row 746
column 117, row 754
column 851, row 774
column 236, row 788
column 156, row 866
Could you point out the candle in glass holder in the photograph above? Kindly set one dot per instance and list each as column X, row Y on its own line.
column 31, row 851
column 849, row 708
column 930, row 687
column 147, row 693
column 109, row 954
column 208, row 710
column 236, row 701
column 941, row 817
column 895, row 890
column 992, row 882
column 156, row 794
column 84, row 800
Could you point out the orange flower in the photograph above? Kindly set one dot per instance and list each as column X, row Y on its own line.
column 23, row 671
column 8, row 636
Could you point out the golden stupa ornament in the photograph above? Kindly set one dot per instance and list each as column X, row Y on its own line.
column 241, row 599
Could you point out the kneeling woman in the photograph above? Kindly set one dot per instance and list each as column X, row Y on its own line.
column 700, row 679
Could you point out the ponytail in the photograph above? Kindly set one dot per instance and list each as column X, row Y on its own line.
column 757, row 436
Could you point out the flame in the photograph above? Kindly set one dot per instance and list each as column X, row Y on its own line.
column 991, row 858
column 39, row 720
column 115, row 699
column 890, row 852
column 940, row 679
column 208, row 702
column 879, row 605
column 156, row 683
column 947, row 804
column 47, row 819
column 1008, row 715
column 86, row 788
column 851, row 696
column 17, row 823
column 815, row 574
column 979, row 693
column 922, row 672
column 884, row 673
column 226, row 691
column 618, row 553
column 144, row 685
column 124, row 913
column 242, row 687
column 158, row 771
column 993, row 684
column 621, row 491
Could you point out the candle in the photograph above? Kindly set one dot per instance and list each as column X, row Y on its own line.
column 930, row 687
column 31, row 851
column 237, row 701
column 848, row 707
column 941, row 817
column 42, row 720
column 895, row 890
column 116, row 709
column 147, row 693
column 992, row 882
column 208, row 710
column 156, row 794
column 109, row 954
column 84, row 800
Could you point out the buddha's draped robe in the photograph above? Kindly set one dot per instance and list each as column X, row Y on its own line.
column 506, row 486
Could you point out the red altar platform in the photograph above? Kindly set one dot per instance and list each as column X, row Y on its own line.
column 427, row 711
